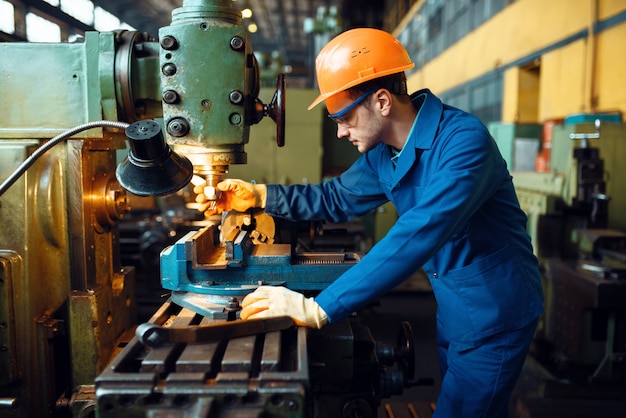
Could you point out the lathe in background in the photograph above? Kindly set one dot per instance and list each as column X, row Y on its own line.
column 576, row 218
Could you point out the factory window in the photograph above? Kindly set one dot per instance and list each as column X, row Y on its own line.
column 7, row 17
column 438, row 24
column 435, row 23
column 104, row 21
column 481, row 97
column 479, row 11
column 39, row 29
column 82, row 10
column 457, row 20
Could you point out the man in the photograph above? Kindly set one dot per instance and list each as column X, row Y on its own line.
column 459, row 219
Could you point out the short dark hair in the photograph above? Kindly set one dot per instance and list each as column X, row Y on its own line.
column 395, row 83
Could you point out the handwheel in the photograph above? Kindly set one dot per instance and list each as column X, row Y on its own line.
column 276, row 110
column 405, row 352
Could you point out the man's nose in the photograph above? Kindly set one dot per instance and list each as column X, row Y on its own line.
column 342, row 132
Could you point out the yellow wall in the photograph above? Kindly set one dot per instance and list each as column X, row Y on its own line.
column 522, row 87
column 611, row 69
column 562, row 82
column 583, row 76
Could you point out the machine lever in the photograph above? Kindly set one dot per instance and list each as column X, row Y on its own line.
column 153, row 335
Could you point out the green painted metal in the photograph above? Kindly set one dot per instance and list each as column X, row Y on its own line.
column 49, row 88
column 207, row 33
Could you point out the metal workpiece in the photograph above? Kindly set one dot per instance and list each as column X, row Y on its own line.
column 261, row 227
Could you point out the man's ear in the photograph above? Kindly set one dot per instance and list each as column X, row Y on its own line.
column 384, row 101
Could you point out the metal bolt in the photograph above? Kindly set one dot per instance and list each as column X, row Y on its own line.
column 233, row 304
column 169, row 43
column 153, row 336
column 170, row 97
column 169, row 69
column 235, row 118
column 121, row 203
column 178, row 127
column 236, row 97
column 236, row 43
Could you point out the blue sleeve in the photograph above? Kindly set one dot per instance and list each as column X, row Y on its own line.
column 352, row 194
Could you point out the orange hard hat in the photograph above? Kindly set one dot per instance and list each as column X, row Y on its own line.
column 356, row 56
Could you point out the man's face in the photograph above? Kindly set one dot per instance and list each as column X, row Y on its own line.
column 362, row 126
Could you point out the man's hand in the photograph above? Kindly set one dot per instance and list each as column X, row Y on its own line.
column 271, row 301
column 232, row 194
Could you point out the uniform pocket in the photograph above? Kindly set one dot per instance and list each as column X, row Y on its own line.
column 488, row 296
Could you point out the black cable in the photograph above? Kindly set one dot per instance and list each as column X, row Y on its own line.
column 48, row 145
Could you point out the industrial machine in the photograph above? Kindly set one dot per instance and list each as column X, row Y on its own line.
column 577, row 224
column 183, row 105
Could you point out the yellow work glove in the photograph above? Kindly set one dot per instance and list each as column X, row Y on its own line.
column 271, row 301
column 233, row 194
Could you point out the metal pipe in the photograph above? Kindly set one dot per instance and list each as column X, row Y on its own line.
column 8, row 403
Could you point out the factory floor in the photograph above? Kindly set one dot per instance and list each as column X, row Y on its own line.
column 605, row 400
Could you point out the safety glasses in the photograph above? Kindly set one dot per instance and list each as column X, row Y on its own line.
column 352, row 105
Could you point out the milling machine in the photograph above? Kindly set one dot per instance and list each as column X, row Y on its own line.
column 67, row 306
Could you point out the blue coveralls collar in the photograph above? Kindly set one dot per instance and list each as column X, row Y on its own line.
column 423, row 132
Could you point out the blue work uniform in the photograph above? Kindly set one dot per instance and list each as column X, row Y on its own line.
column 459, row 220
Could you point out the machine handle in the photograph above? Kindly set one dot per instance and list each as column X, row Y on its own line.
column 405, row 356
column 153, row 335
column 276, row 110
